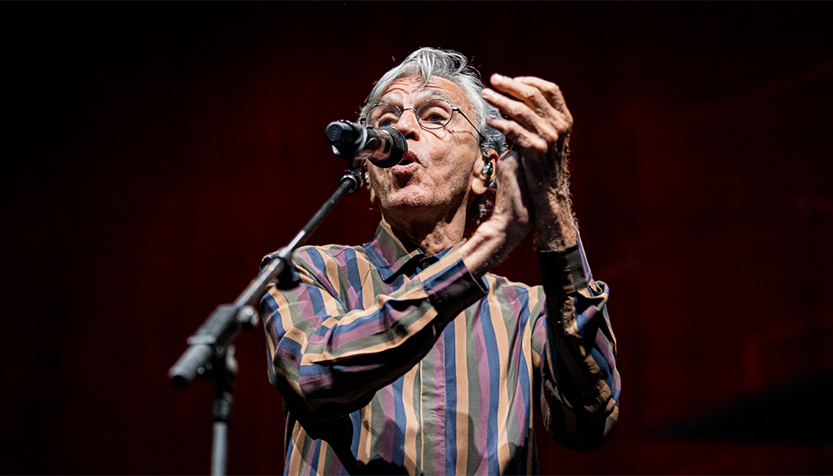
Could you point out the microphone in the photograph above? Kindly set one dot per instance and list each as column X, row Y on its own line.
column 384, row 147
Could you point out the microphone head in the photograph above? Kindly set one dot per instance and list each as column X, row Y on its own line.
column 343, row 133
column 399, row 147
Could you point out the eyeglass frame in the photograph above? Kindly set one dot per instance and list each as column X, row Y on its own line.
column 419, row 121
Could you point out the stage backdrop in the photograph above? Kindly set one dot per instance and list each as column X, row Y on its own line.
column 153, row 153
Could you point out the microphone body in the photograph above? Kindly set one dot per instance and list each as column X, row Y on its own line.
column 383, row 147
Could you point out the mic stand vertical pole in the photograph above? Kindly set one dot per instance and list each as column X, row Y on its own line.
column 225, row 374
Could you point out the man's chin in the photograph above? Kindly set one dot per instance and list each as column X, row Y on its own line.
column 410, row 209
column 409, row 198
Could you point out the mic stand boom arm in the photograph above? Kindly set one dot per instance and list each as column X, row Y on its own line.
column 210, row 350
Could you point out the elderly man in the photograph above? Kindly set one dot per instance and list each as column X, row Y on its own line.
column 405, row 355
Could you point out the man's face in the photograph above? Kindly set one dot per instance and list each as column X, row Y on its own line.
column 435, row 178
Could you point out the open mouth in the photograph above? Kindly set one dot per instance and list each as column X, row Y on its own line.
column 409, row 158
column 407, row 163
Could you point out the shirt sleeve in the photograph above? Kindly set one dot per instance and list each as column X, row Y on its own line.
column 328, row 361
column 576, row 352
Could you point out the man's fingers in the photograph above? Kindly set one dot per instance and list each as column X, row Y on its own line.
column 554, row 97
column 549, row 90
column 526, row 93
column 522, row 114
column 535, row 103
column 518, row 134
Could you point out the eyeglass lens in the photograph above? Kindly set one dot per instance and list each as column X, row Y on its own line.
column 431, row 114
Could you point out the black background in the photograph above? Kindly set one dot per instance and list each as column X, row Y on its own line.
column 154, row 152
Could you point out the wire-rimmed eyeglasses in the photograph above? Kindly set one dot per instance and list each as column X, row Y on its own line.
column 430, row 114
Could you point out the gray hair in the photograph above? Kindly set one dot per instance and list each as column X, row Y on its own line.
column 450, row 65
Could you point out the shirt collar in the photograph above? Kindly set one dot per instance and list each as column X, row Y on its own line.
column 391, row 258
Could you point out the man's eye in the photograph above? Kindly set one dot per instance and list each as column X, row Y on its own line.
column 435, row 116
column 385, row 120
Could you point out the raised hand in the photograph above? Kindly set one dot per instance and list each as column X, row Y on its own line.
column 537, row 123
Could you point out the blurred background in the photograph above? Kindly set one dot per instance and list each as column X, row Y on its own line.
column 154, row 152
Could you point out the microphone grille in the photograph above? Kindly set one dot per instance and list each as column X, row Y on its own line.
column 399, row 145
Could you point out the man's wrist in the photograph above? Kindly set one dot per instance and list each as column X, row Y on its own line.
column 555, row 237
column 485, row 249
column 555, row 227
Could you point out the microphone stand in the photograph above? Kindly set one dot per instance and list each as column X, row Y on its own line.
column 210, row 352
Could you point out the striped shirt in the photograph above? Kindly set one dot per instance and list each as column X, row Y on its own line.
column 392, row 362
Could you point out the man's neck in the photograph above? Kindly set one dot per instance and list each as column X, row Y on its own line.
column 430, row 237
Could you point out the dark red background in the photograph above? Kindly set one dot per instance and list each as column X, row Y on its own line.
column 155, row 152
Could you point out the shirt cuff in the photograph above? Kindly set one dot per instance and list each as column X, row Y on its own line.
column 564, row 272
column 450, row 286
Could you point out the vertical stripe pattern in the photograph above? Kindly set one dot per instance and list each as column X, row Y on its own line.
column 393, row 362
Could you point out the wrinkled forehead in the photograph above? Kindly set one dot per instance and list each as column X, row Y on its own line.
column 412, row 90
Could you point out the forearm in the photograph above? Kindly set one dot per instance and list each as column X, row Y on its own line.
column 549, row 192
column 555, row 227
column 487, row 247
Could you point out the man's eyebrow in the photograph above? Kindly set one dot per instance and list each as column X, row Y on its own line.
column 391, row 96
column 432, row 93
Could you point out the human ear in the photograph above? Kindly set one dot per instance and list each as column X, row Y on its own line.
column 366, row 180
column 483, row 172
column 372, row 194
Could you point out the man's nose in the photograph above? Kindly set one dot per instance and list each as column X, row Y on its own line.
column 408, row 124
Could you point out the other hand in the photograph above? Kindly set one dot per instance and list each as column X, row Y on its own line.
column 537, row 123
